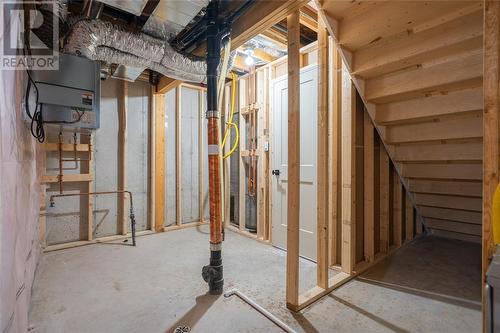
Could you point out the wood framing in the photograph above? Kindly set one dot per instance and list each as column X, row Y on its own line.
column 397, row 214
column 369, row 189
column 122, row 156
column 159, row 110
column 293, row 195
column 384, row 200
column 491, row 128
column 335, row 188
column 409, row 215
column 348, row 155
column 322, row 159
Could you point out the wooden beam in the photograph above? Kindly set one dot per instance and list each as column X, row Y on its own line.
column 463, row 72
column 166, row 84
column 455, row 226
column 87, row 202
column 77, row 177
column 448, row 129
column 80, row 147
column 263, row 55
column 159, row 110
column 201, row 155
column 335, row 103
column 409, row 215
column 459, row 188
column 309, row 22
column 178, row 156
column 322, row 159
column 378, row 21
column 410, row 49
column 151, row 158
column 428, row 108
column 384, row 200
column 456, row 235
column 465, row 171
column 447, row 201
column 348, row 157
column 122, row 156
column 439, row 151
column 451, row 214
column 397, row 213
column 491, row 124
column 293, row 195
column 369, row 189
column 260, row 17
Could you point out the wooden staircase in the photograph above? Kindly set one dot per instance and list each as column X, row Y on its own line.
column 418, row 67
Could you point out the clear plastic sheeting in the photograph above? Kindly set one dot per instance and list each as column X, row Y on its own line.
column 21, row 164
column 103, row 41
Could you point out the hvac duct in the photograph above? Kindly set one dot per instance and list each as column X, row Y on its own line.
column 103, row 41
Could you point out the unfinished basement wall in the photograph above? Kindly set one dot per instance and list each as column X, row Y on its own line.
column 66, row 222
column 186, row 161
column 20, row 168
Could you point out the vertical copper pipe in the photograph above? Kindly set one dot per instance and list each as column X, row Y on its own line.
column 214, row 183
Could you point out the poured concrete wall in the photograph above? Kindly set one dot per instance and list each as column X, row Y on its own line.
column 191, row 115
column 63, row 221
column 21, row 165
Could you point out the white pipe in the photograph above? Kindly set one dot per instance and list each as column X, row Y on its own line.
column 259, row 308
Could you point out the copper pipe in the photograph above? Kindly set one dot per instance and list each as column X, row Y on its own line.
column 132, row 215
column 214, row 184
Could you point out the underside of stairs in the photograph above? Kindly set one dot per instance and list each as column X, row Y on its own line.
column 418, row 67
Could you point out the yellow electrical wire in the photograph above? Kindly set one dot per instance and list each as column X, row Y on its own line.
column 230, row 122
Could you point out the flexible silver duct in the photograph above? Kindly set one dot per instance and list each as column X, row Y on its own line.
column 103, row 41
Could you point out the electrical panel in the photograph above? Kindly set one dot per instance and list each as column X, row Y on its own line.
column 70, row 96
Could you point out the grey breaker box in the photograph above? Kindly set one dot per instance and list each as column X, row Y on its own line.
column 71, row 94
column 492, row 294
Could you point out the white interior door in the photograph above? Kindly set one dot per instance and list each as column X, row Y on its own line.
column 308, row 121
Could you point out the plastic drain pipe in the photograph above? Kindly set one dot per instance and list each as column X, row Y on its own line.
column 213, row 273
column 259, row 308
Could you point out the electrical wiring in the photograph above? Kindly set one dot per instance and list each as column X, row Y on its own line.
column 230, row 123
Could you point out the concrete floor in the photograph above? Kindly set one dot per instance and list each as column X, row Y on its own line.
column 157, row 287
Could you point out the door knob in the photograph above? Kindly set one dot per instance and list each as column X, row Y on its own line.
column 276, row 172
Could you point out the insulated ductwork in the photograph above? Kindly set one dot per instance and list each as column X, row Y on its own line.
column 103, row 41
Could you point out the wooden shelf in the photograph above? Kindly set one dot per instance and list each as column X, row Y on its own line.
column 67, row 178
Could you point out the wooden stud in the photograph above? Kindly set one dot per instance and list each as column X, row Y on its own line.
column 178, row 155
column 369, row 189
column 348, row 158
column 461, row 188
column 384, row 200
column 409, row 218
column 322, row 159
column 166, row 84
column 122, row 156
column 87, row 202
column 201, row 156
column 397, row 214
column 335, row 103
column 491, row 128
column 151, row 157
column 293, row 195
column 243, row 101
column 159, row 110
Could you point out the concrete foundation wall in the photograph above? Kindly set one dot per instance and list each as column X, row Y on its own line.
column 63, row 221
column 190, row 154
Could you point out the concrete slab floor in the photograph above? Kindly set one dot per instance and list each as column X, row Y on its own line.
column 157, row 287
